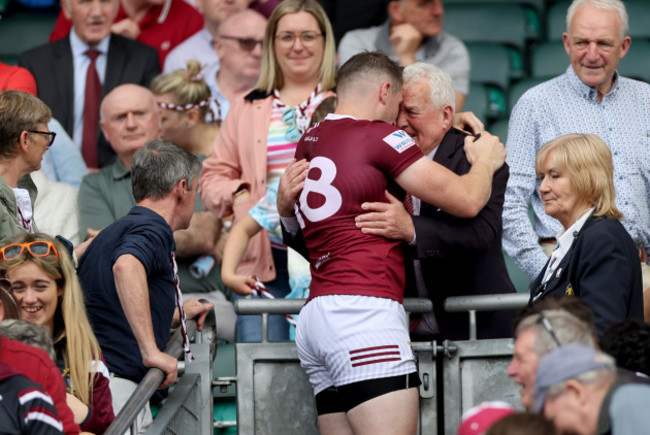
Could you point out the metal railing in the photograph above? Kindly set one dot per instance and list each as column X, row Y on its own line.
column 190, row 403
column 149, row 384
column 472, row 304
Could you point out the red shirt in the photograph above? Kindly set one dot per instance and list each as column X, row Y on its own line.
column 352, row 162
column 161, row 29
column 15, row 77
column 37, row 366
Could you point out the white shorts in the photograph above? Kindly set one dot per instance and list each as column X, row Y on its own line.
column 344, row 339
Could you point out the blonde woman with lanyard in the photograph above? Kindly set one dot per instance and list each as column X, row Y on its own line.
column 595, row 258
column 259, row 136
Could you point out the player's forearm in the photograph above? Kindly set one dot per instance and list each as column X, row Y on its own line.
column 475, row 188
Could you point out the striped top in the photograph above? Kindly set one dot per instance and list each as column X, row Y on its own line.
column 281, row 146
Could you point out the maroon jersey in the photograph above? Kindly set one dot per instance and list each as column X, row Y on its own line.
column 351, row 162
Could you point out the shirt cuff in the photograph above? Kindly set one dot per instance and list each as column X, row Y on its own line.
column 412, row 242
column 290, row 224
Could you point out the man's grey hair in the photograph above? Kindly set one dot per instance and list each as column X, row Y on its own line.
column 441, row 89
column 28, row 333
column 599, row 377
column 158, row 166
column 567, row 327
column 611, row 5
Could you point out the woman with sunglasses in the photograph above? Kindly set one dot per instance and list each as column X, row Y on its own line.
column 45, row 285
column 258, row 138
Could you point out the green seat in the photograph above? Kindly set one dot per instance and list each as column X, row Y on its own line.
column 21, row 31
column 487, row 102
column 636, row 63
column 639, row 13
column 556, row 20
column 533, row 10
column 549, row 59
column 503, row 23
column 517, row 276
column 490, row 64
column 499, row 128
column 517, row 90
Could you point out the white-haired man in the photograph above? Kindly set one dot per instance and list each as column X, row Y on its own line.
column 454, row 256
column 590, row 97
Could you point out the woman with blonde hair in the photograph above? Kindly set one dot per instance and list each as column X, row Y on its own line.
column 258, row 138
column 45, row 285
column 595, row 258
column 188, row 114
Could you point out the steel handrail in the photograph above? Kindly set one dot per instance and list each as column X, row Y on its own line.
column 149, row 384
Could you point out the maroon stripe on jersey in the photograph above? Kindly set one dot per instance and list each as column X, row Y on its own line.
column 364, row 363
column 369, row 349
column 373, row 355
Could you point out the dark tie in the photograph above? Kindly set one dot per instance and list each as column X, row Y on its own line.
column 408, row 203
column 91, row 111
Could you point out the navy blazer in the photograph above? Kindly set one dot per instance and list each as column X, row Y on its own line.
column 461, row 257
column 602, row 268
column 52, row 66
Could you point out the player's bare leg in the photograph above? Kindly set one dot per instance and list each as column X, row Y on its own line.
column 334, row 424
column 394, row 413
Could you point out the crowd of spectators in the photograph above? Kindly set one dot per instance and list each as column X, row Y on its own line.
column 140, row 176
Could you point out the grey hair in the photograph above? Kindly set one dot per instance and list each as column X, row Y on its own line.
column 567, row 327
column 610, row 5
column 598, row 377
column 28, row 333
column 441, row 89
column 158, row 166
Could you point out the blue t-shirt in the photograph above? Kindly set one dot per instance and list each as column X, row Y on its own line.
column 147, row 236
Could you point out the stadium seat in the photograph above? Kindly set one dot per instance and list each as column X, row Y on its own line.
column 22, row 31
column 490, row 64
column 518, row 89
column 487, row 102
column 533, row 10
column 503, row 23
column 556, row 20
column 639, row 12
column 499, row 128
column 549, row 59
column 636, row 63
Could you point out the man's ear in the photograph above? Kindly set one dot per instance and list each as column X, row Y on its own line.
column 384, row 90
column 447, row 116
column 577, row 391
column 65, row 7
column 394, row 12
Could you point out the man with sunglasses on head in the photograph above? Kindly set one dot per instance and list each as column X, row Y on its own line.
column 538, row 334
column 239, row 47
column 24, row 138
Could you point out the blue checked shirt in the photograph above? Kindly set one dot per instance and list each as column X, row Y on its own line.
column 566, row 105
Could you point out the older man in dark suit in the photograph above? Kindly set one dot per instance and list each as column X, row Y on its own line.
column 450, row 256
column 73, row 74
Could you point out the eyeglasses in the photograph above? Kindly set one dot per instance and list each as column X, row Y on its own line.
column 306, row 38
column 246, row 44
column 39, row 248
column 49, row 136
column 549, row 328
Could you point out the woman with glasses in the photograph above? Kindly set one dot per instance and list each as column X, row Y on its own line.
column 595, row 258
column 24, row 138
column 258, row 138
column 45, row 286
